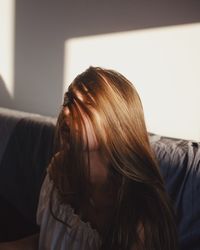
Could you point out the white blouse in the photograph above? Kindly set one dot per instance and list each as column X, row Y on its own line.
column 54, row 235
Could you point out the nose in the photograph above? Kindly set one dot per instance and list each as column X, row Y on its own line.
column 66, row 112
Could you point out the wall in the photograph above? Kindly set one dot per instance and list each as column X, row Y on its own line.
column 42, row 28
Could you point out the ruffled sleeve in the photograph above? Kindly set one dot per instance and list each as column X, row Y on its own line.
column 73, row 233
column 44, row 198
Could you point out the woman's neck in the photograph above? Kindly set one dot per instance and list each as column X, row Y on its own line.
column 98, row 170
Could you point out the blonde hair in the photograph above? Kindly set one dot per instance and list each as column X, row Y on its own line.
column 113, row 105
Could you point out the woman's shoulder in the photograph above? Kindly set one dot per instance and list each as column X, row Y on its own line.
column 63, row 214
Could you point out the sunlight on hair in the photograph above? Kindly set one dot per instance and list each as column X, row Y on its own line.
column 163, row 64
column 7, row 18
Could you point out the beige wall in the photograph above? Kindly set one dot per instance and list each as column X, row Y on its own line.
column 40, row 61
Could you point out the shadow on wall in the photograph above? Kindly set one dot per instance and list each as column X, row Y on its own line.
column 5, row 98
column 42, row 27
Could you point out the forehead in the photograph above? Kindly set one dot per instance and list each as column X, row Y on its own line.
column 85, row 117
column 86, row 98
column 76, row 116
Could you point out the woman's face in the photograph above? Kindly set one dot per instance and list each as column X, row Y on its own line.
column 98, row 163
column 88, row 133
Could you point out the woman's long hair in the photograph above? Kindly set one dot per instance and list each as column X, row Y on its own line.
column 113, row 106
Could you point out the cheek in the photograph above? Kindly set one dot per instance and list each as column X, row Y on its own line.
column 92, row 140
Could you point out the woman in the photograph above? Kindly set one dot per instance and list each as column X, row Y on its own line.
column 103, row 188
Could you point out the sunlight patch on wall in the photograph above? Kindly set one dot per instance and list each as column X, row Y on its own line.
column 7, row 19
column 163, row 64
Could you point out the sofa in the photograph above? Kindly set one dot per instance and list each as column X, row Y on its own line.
column 26, row 147
column 26, row 143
